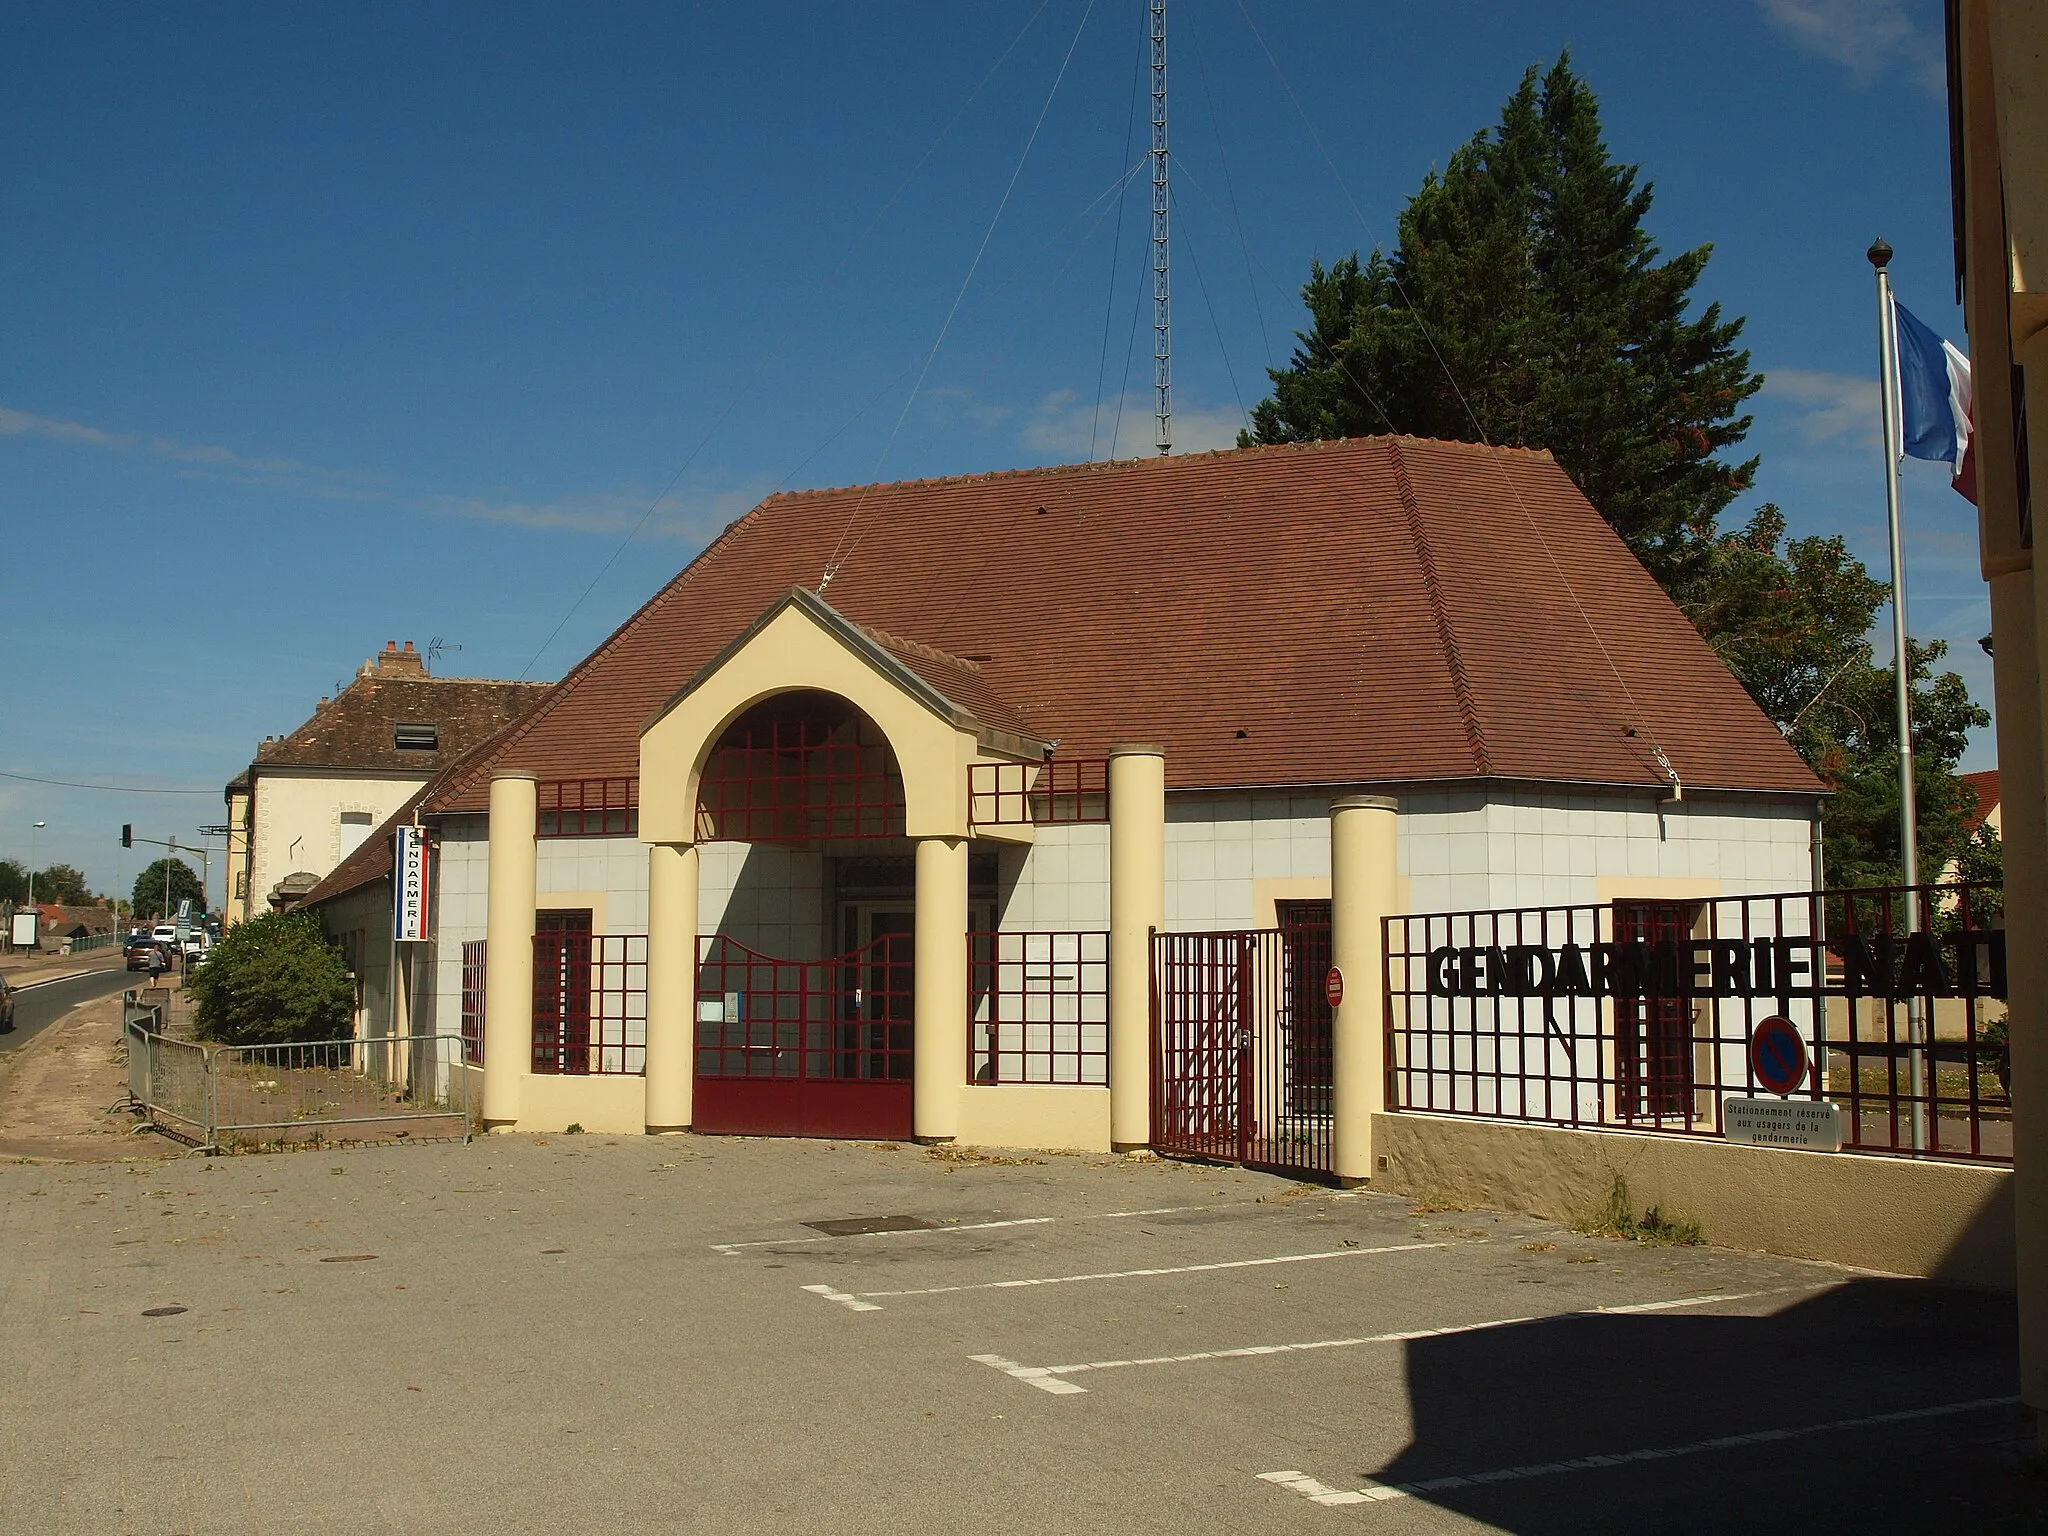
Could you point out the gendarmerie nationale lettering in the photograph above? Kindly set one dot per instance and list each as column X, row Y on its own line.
column 1966, row 963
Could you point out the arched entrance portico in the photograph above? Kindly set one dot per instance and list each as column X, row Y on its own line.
column 828, row 744
column 805, row 1000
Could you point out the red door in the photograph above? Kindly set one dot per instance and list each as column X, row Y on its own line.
column 808, row 1048
column 1653, row 1035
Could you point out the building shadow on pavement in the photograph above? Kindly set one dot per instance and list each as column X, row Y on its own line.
column 1497, row 1411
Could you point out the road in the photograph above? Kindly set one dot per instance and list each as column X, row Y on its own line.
column 41, row 1006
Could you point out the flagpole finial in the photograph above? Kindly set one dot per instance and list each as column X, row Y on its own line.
column 1879, row 253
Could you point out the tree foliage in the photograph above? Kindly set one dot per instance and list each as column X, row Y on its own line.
column 63, row 886
column 1791, row 620
column 148, row 895
column 13, row 881
column 1525, row 304
column 271, row 979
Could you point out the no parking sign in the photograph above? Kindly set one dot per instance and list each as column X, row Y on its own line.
column 1777, row 1056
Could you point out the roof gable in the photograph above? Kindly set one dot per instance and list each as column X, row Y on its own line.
column 946, row 685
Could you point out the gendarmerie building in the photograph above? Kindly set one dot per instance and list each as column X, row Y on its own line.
column 865, row 823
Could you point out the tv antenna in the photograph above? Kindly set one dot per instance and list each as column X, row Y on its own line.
column 437, row 647
column 1162, row 287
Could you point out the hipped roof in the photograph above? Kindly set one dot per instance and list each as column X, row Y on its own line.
column 1372, row 610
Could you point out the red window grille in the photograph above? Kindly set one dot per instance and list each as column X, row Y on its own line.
column 1048, row 794
column 1038, row 1007
column 588, row 808
column 589, row 1003
column 848, row 1019
column 803, row 772
column 474, row 956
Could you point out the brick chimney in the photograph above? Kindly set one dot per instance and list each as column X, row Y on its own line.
column 393, row 662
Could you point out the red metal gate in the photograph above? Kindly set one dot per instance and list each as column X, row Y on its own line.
column 1240, row 1062
column 805, row 1047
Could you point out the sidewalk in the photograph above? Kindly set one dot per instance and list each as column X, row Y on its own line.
column 59, row 1096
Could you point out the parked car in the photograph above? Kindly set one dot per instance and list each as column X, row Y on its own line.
column 6, row 1007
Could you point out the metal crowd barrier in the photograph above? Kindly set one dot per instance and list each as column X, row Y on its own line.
column 223, row 1098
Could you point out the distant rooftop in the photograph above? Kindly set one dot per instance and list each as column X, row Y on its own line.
column 396, row 717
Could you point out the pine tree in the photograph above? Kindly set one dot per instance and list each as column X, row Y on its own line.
column 1526, row 304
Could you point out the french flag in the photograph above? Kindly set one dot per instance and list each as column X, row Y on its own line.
column 1934, row 401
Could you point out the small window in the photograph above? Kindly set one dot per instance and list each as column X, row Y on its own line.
column 416, row 738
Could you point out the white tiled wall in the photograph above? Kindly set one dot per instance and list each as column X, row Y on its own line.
column 461, row 910
column 1543, row 848
column 769, row 898
column 1060, row 882
column 1458, row 849
column 616, row 866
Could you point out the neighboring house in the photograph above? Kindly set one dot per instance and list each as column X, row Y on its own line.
column 1986, row 811
column 57, row 925
column 312, row 798
column 763, row 861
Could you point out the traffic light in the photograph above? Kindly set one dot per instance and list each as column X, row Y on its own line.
column 127, row 834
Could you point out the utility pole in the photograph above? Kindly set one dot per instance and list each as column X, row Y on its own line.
column 1162, row 287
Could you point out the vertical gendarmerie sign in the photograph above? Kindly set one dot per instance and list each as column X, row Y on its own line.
column 409, row 885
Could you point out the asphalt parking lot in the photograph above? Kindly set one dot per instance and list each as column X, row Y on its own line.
column 587, row 1333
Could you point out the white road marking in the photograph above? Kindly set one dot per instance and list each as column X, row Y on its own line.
column 1039, row 1376
column 1050, row 1378
column 730, row 1249
column 851, row 1302
column 1137, row 1274
column 1377, row 1493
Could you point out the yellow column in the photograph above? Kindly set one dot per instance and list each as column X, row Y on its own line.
column 508, row 974
column 2021, row 790
column 1137, row 906
column 1363, row 882
column 671, row 984
column 941, row 1003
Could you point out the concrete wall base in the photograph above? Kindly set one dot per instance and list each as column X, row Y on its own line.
column 1051, row 1118
column 602, row 1105
column 1943, row 1221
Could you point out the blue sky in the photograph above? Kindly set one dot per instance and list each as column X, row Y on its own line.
column 332, row 324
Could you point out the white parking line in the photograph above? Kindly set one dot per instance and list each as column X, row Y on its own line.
column 1052, row 1378
column 1138, row 1274
column 871, row 1297
column 730, row 1249
column 1377, row 1493
column 845, row 1298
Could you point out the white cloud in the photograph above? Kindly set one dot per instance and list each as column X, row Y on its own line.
column 56, row 429
column 1869, row 38
column 1065, row 425
column 679, row 516
column 1824, row 407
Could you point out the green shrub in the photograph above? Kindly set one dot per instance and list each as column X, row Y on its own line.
column 272, row 979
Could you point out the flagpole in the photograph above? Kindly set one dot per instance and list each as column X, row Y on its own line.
column 1909, row 832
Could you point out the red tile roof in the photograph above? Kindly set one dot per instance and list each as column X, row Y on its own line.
column 1374, row 610
column 1984, row 786
column 355, row 729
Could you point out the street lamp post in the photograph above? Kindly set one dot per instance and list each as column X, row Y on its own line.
column 33, row 829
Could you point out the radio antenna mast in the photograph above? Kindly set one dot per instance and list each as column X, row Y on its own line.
column 1162, row 289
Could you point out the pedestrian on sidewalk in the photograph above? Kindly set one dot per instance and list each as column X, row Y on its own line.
column 156, row 963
